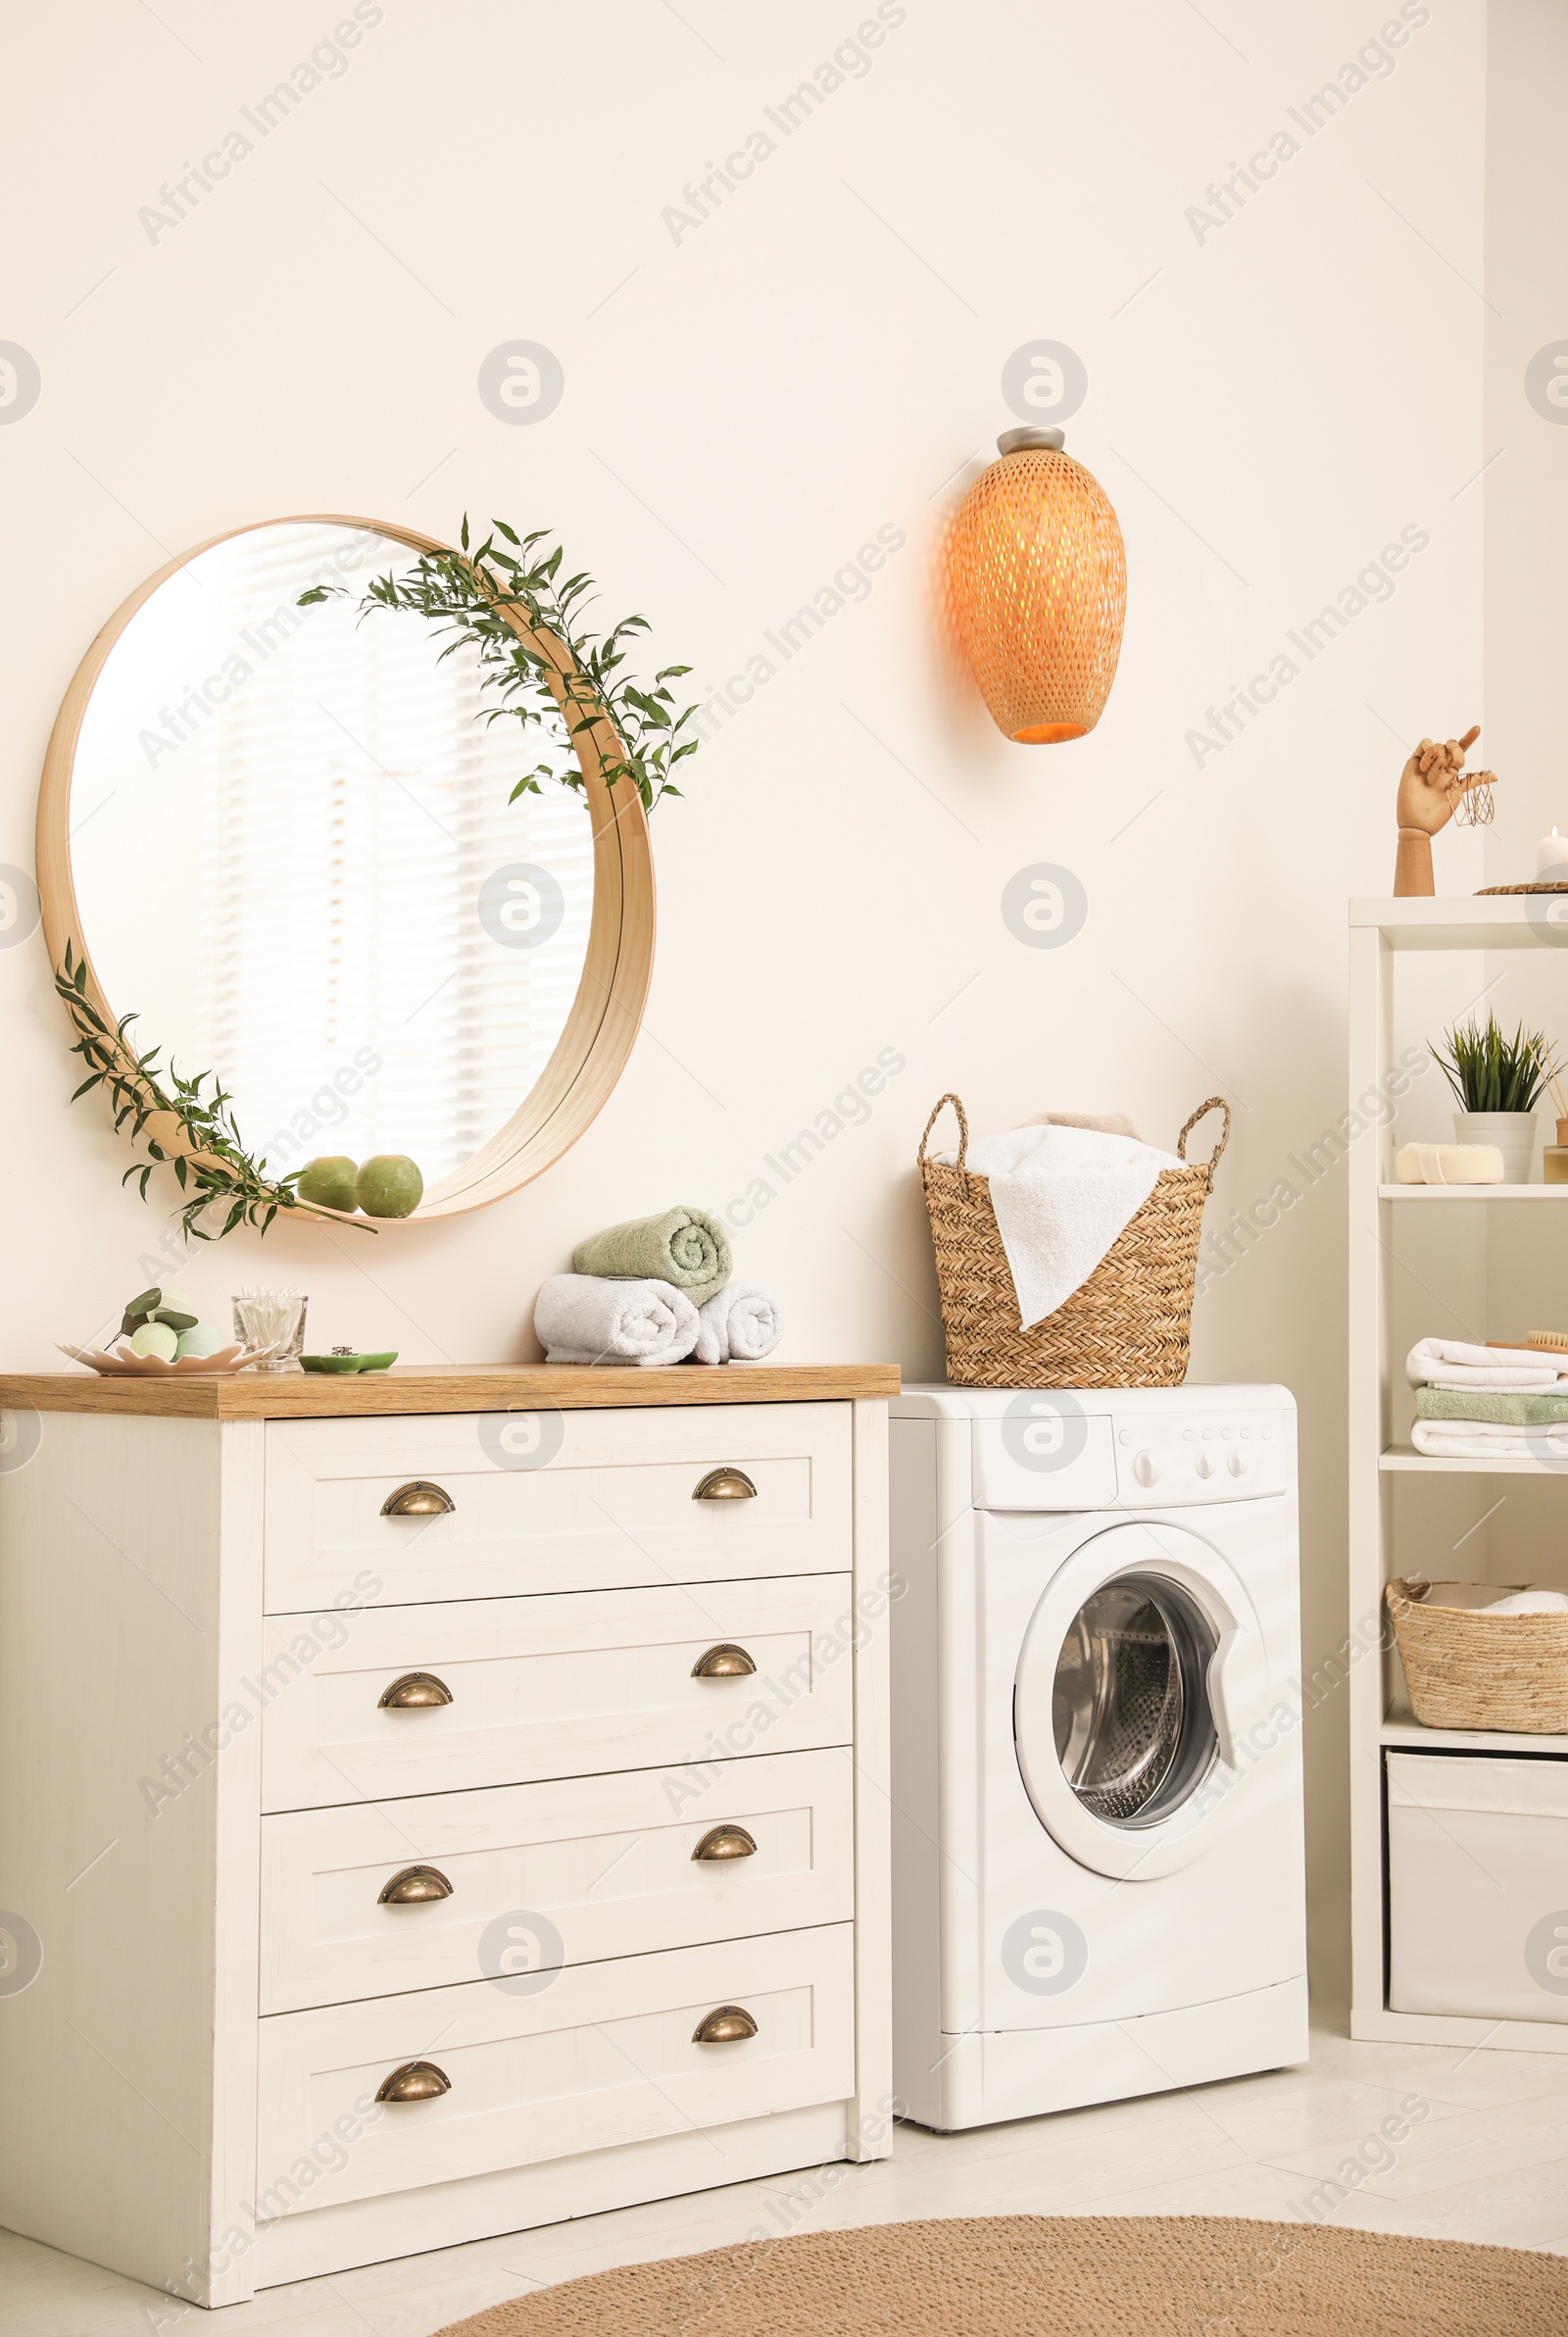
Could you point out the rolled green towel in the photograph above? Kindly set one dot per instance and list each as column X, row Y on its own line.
column 1498, row 1405
column 685, row 1246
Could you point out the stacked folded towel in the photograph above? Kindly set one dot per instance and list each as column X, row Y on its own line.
column 656, row 1290
column 1458, row 1364
column 1492, row 1408
column 1497, row 1403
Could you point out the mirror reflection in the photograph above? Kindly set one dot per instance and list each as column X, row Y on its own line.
column 295, row 859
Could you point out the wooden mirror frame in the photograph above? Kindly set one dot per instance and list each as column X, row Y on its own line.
column 607, row 1013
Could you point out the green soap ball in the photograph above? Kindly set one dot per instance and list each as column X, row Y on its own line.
column 328, row 1181
column 389, row 1186
column 155, row 1338
column 174, row 1302
column 201, row 1339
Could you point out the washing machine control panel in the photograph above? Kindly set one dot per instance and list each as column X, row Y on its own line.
column 1163, row 1459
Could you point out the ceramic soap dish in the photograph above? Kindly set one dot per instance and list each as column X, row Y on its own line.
column 121, row 1362
column 345, row 1360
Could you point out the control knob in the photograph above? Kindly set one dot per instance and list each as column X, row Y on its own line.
column 1235, row 1463
column 1146, row 1469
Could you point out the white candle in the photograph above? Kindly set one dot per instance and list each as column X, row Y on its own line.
column 1552, row 858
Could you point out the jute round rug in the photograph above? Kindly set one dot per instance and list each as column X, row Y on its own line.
column 1067, row 2276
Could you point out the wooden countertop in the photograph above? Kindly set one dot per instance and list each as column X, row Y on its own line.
column 452, row 1387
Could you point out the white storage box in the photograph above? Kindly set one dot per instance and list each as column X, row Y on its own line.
column 1478, row 1886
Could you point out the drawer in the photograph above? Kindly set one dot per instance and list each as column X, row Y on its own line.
column 565, row 1686
column 602, row 2056
column 1478, row 1885
column 1047, row 1454
column 595, row 1867
column 551, row 1500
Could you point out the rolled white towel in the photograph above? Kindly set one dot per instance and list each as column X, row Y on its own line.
column 1459, row 1363
column 585, row 1318
column 1530, row 1601
column 738, row 1324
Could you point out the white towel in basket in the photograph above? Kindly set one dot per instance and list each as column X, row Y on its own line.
column 1483, row 1598
column 1061, row 1196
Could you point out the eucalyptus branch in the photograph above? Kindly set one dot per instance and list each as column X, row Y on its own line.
column 217, row 1168
column 464, row 594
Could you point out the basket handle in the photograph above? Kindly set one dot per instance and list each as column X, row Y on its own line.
column 964, row 1138
column 1214, row 1104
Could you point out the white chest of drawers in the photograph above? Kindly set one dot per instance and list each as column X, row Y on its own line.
column 434, row 1806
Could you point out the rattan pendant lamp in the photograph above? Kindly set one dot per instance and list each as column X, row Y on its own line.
column 1037, row 579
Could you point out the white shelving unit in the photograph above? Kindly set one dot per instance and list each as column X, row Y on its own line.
column 1473, row 1193
column 1380, row 932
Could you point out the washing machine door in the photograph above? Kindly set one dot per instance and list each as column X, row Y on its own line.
column 1142, row 1670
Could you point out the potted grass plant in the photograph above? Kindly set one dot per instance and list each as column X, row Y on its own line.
column 1499, row 1083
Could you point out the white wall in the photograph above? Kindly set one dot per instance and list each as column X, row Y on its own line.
column 1271, row 400
column 1526, row 435
column 1525, row 612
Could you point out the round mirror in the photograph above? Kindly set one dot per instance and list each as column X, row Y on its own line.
column 284, row 838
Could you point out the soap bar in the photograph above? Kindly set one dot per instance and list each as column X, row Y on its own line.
column 1448, row 1164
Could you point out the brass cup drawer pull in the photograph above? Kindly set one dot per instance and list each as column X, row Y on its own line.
column 725, row 1662
column 417, row 2081
column 416, row 1886
column 730, row 2024
column 725, row 1842
column 415, row 1692
column 725, row 1484
column 418, row 1499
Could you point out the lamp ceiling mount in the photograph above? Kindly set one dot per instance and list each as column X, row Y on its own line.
column 1012, row 443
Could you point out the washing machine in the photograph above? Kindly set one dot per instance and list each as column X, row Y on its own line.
column 1098, row 1870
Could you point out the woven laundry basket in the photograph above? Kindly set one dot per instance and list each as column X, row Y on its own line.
column 1129, row 1326
column 1467, row 1669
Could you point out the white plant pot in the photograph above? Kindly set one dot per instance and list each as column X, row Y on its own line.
column 1512, row 1133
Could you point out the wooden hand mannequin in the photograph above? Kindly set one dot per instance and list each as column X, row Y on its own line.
column 1432, row 787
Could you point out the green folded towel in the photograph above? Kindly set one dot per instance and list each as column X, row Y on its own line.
column 1507, row 1411
column 685, row 1246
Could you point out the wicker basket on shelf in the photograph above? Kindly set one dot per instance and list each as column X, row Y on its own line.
column 1466, row 1669
column 1129, row 1326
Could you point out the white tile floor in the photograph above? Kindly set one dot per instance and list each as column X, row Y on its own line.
column 1488, row 2160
